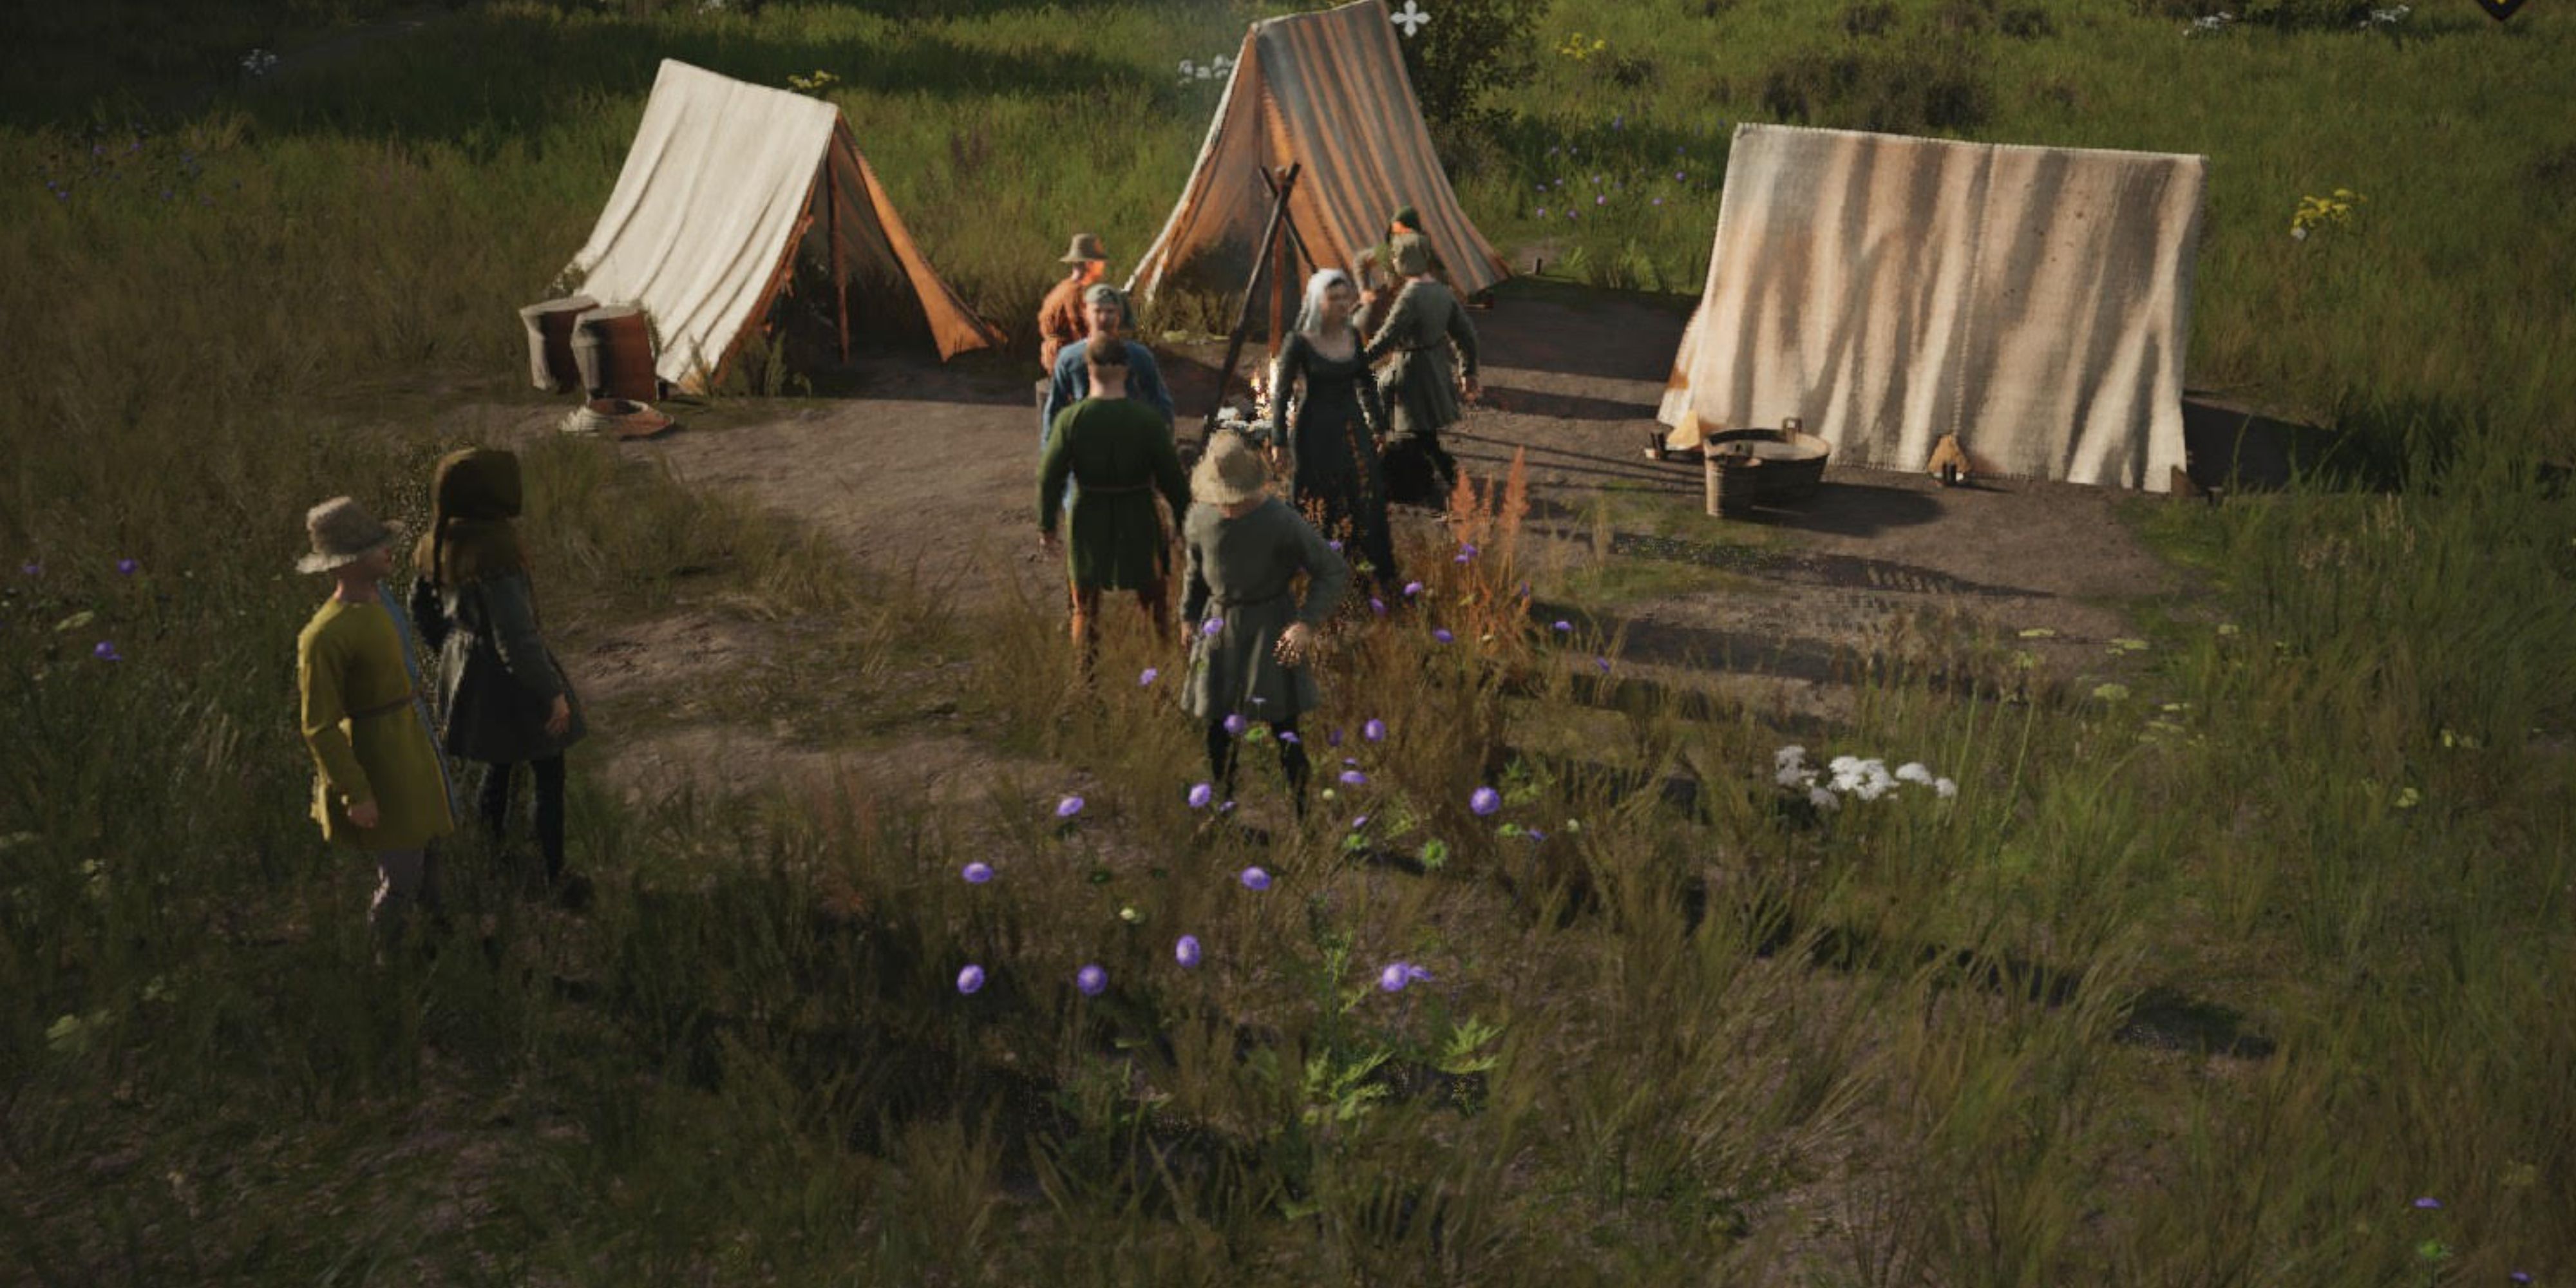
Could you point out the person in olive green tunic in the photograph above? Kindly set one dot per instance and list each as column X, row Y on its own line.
column 1421, row 390
column 1250, row 638
column 379, row 783
column 1120, row 451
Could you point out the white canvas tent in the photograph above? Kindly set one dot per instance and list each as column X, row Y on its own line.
column 723, row 183
column 1889, row 290
column 1328, row 90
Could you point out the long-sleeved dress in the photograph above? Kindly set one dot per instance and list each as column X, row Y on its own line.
column 362, row 719
column 1419, row 387
column 1333, row 438
column 1120, row 453
column 1240, row 573
column 497, row 680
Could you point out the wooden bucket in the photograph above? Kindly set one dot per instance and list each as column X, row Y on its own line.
column 550, row 325
column 613, row 347
column 1734, row 480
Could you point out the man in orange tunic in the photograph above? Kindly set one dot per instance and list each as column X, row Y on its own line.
column 1060, row 320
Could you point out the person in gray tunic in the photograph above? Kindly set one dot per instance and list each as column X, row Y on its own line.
column 1250, row 638
column 1422, row 391
column 503, row 697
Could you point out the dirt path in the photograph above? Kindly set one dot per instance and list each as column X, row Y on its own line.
column 930, row 467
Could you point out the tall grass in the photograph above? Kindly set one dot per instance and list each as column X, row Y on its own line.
column 2204, row 982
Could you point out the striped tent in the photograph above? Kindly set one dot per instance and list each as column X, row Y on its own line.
column 1327, row 90
column 2033, row 301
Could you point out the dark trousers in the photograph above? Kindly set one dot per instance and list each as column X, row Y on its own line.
column 1292, row 760
column 493, row 804
column 1419, row 471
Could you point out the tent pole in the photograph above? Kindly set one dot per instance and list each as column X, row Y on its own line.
column 1304, row 256
column 832, row 230
column 1243, row 319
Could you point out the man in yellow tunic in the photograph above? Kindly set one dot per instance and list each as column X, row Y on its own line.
column 380, row 785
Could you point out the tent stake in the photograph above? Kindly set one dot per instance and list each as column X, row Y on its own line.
column 1251, row 289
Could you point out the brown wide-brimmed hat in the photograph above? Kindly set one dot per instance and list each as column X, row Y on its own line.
column 1230, row 473
column 1086, row 247
column 343, row 533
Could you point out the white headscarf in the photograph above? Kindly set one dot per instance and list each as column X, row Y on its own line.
column 1311, row 321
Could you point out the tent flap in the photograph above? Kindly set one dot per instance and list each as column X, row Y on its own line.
column 1328, row 91
column 706, row 213
column 2034, row 301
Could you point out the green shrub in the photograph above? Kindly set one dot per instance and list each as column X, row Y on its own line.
column 1469, row 48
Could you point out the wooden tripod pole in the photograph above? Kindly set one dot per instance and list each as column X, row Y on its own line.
column 1251, row 291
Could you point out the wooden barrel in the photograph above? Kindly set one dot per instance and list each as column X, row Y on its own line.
column 613, row 347
column 550, row 362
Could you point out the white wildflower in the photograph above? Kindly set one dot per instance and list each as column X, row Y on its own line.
column 1944, row 788
column 1794, row 776
column 1913, row 771
column 1793, row 754
column 1824, row 800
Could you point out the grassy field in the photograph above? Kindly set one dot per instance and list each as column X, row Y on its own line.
column 2251, row 970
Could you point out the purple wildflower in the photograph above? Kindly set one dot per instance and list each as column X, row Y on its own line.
column 1485, row 801
column 1398, row 974
column 1442, row 634
column 1334, row 545
column 970, row 979
column 1290, row 737
column 1562, row 625
column 106, row 652
column 1255, row 879
column 1658, row 201
column 1091, row 980
column 1374, row 731
column 1603, row 663
column 1354, row 778
column 1186, row 952
column 1466, row 551
column 1150, row 675
column 1412, row 588
column 1212, row 627
column 1602, row 200
column 2428, row 1204
column 1200, row 795
column 1068, row 807
column 1677, row 176
column 128, row 567
column 32, row 568
column 1542, row 212
column 978, row 873
column 1377, row 605
column 1360, row 822
column 1234, row 724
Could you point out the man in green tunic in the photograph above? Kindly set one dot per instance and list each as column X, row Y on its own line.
column 379, row 785
column 1120, row 451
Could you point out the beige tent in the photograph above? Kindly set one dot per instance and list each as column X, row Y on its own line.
column 1890, row 290
column 1329, row 90
column 724, row 182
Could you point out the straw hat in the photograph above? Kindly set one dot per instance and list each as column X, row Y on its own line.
column 1230, row 473
column 1086, row 247
column 342, row 534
